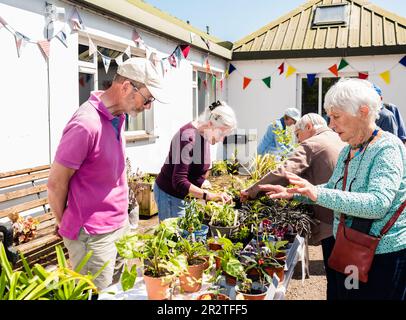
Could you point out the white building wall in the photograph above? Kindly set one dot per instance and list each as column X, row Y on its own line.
column 24, row 123
column 257, row 106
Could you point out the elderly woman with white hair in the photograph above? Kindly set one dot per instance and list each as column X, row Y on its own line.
column 188, row 160
column 367, row 192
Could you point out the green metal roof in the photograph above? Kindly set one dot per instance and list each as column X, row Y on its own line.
column 371, row 30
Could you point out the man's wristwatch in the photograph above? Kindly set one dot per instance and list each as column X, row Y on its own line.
column 204, row 195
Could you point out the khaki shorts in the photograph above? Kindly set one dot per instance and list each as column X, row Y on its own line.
column 104, row 249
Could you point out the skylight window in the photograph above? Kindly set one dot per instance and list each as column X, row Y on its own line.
column 336, row 14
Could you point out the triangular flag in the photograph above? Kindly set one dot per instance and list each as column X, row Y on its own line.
column 178, row 53
column 363, row 75
column 44, row 46
column 172, row 60
column 231, row 68
column 311, row 78
column 213, row 82
column 153, row 58
column 221, row 84
column 128, row 52
column 136, row 36
column 192, row 37
column 185, row 50
column 334, row 70
column 385, row 76
column 76, row 21
column 343, row 64
column 106, row 63
column 205, row 84
column 119, row 59
column 290, row 71
column 403, row 61
column 281, row 68
column 21, row 41
column 82, row 81
column 61, row 35
column 208, row 69
column 246, row 82
column 92, row 47
column 3, row 22
column 267, row 81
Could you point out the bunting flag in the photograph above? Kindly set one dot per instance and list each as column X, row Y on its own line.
column 136, row 37
column 267, row 81
column 231, row 69
column 290, row 71
column 208, row 69
column 106, row 63
column 44, row 46
column 92, row 48
column 153, row 58
column 246, row 83
column 82, row 81
column 311, row 78
column 119, row 60
column 127, row 52
column 76, row 21
column 185, row 50
column 172, row 60
column 334, row 70
column 61, row 35
column 192, row 37
column 205, row 84
column 221, row 84
column 21, row 41
column 385, row 76
column 207, row 42
column 178, row 54
column 281, row 68
column 342, row 64
column 363, row 75
column 403, row 61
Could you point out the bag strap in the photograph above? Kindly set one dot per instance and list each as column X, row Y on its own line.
column 392, row 221
column 347, row 163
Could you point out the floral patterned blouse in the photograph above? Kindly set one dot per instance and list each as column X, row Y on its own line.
column 377, row 178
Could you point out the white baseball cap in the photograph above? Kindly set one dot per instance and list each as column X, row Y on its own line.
column 293, row 113
column 142, row 70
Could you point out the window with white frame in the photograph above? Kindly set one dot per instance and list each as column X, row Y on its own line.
column 205, row 87
column 327, row 15
column 92, row 76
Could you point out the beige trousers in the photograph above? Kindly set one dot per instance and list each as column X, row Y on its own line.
column 104, row 249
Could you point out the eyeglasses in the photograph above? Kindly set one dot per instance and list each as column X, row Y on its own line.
column 146, row 101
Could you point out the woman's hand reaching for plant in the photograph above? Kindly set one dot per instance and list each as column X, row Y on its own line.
column 275, row 191
column 244, row 196
column 301, row 186
column 223, row 197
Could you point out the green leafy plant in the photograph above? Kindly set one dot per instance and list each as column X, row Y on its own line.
column 219, row 168
column 194, row 214
column 191, row 249
column 225, row 216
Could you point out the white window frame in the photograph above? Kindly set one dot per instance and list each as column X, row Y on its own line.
column 318, row 14
column 198, row 68
column 115, row 43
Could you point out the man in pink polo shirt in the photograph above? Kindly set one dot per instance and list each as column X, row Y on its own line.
column 87, row 187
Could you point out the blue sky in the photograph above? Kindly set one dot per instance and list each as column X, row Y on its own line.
column 234, row 19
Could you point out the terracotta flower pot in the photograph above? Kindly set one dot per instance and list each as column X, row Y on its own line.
column 192, row 281
column 230, row 280
column 214, row 246
column 212, row 296
column 258, row 292
column 157, row 288
column 280, row 272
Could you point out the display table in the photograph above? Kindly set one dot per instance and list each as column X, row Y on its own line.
column 276, row 291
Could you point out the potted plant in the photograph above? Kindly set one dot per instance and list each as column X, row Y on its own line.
column 195, row 253
column 191, row 224
column 249, row 290
column 161, row 262
column 224, row 220
column 227, row 259
column 213, row 294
